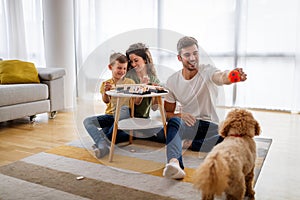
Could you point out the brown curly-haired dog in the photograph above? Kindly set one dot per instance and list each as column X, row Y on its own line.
column 229, row 166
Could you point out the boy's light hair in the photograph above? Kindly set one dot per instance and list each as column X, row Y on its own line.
column 121, row 58
column 184, row 42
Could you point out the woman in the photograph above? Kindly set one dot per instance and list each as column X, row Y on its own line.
column 141, row 70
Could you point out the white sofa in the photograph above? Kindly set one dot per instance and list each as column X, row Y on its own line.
column 22, row 100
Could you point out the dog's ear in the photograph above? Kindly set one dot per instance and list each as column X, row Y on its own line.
column 257, row 128
column 224, row 128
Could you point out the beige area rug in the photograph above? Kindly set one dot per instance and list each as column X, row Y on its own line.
column 72, row 172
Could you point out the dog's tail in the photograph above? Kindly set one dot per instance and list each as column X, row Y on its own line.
column 212, row 175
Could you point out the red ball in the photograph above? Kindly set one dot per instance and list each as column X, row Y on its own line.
column 234, row 76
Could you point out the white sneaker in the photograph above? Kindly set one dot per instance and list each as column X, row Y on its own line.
column 174, row 171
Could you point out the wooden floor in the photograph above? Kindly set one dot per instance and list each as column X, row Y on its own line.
column 21, row 138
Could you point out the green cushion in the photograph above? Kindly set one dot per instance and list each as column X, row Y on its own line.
column 16, row 71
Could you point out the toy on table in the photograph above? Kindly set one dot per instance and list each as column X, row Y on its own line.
column 234, row 76
column 139, row 89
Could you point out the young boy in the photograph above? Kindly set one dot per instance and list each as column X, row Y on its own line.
column 118, row 67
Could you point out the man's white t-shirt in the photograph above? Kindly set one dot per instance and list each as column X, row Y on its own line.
column 196, row 96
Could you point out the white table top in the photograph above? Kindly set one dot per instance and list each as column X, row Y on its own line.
column 114, row 93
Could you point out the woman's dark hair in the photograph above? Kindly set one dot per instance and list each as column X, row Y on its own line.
column 142, row 51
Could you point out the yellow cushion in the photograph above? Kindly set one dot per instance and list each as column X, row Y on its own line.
column 16, row 71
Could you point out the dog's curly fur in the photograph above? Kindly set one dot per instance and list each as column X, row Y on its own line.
column 229, row 166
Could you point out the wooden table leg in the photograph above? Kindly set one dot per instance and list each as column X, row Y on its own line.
column 162, row 113
column 115, row 130
column 131, row 115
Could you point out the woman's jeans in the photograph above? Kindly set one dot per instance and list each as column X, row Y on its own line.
column 106, row 123
column 204, row 136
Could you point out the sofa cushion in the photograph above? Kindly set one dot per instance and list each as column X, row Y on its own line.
column 16, row 71
column 20, row 93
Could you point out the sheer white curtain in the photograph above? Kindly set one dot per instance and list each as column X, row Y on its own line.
column 254, row 35
column 296, row 79
column 13, row 35
column 212, row 23
column 270, row 47
column 96, row 23
column 33, row 17
column 21, row 33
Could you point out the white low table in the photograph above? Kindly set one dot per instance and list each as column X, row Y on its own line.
column 134, row 123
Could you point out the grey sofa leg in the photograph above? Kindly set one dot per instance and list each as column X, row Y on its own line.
column 52, row 114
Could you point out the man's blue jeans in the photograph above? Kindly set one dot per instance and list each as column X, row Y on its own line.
column 105, row 122
column 203, row 134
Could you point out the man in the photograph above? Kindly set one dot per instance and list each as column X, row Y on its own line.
column 195, row 88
